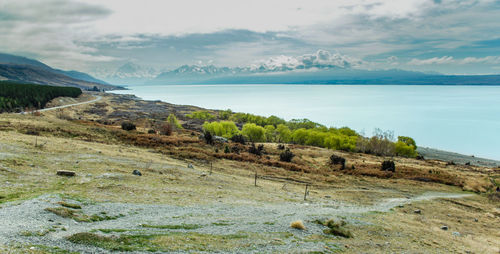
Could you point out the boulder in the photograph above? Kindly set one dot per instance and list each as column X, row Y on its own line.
column 137, row 172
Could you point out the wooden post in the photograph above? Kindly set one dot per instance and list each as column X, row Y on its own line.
column 36, row 141
column 210, row 168
column 305, row 193
column 255, row 178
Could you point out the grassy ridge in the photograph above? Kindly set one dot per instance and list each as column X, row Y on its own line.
column 16, row 96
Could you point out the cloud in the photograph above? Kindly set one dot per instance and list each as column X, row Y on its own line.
column 434, row 60
column 487, row 60
column 322, row 59
column 51, row 31
column 451, row 60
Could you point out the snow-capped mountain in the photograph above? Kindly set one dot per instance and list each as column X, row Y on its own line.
column 130, row 74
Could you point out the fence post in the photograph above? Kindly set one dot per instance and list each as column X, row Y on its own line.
column 255, row 178
column 305, row 193
column 210, row 168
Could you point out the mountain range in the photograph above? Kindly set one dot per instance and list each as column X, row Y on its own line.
column 312, row 75
column 319, row 68
column 22, row 69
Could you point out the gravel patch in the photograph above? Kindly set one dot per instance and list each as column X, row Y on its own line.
column 28, row 223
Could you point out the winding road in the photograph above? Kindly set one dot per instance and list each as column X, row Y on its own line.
column 98, row 98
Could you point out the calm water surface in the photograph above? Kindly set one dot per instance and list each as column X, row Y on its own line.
column 462, row 119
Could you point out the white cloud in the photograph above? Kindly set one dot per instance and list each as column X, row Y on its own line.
column 434, row 60
column 451, row 60
column 322, row 59
column 486, row 60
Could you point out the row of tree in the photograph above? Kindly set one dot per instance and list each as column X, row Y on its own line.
column 16, row 96
column 381, row 143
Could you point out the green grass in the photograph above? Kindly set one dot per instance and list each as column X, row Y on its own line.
column 173, row 241
column 179, row 226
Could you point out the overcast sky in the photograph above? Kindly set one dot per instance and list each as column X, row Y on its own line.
column 448, row 36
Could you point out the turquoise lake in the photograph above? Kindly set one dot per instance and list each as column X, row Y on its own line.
column 463, row 119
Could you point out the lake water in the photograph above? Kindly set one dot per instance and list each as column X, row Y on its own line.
column 463, row 119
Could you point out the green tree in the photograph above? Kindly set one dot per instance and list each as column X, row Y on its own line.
column 284, row 133
column 253, row 132
column 270, row 133
column 226, row 129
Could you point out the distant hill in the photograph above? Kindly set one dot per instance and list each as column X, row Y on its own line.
column 22, row 69
column 37, row 75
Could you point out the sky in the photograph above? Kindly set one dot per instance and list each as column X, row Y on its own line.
column 98, row 36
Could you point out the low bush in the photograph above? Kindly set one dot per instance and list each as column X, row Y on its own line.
column 166, row 129
column 207, row 136
column 238, row 139
column 337, row 160
column 128, row 126
column 281, row 147
column 256, row 150
column 388, row 166
column 286, row 156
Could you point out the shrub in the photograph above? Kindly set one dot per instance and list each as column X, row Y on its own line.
column 286, row 155
column 208, row 137
column 226, row 149
column 166, row 129
column 281, row 147
column 151, row 131
column 256, row 150
column 337, row 160
column 128, row 126
column 253, row 132
column 172, row 120
column 238, row 138
column 388, row 166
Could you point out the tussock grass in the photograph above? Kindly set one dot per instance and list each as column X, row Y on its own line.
column 298, row 225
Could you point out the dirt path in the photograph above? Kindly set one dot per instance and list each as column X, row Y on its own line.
column 30, row 223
